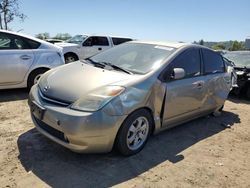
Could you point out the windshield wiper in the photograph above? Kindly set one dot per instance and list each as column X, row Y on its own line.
column 104, row 64
column 116, row 67
column 96, row 64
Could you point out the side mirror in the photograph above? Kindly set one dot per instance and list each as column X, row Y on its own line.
column 178, row 73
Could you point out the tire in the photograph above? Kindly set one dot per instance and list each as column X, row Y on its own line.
column 69, row 58
column 248, row 92
column 34, row 77
column 134, row 132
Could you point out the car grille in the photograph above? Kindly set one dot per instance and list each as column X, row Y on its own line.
column 50, row 100
column 51, row 130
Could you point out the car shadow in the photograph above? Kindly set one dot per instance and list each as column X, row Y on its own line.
column 59, row 167
column 13, row 95
column 238, row 99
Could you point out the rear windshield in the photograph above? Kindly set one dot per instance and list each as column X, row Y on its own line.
column 117, row 41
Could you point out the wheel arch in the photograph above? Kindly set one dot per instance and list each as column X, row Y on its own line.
column 34, row 70
column 141, row 108
column 71, row 53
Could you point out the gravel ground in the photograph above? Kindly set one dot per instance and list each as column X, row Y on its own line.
column 201, row 153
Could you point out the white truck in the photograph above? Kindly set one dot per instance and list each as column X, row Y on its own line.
column 84, row 46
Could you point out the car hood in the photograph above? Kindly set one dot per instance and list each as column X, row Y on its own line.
column 69, row 82
column 65, row 44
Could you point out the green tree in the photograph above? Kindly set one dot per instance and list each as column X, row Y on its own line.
column 62, row 36
column 219, row 47
column 236, row 46
column 201, row 42
column 43, row 36
column 9, row 10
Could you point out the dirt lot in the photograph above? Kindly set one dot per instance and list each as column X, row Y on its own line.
column 202, row 153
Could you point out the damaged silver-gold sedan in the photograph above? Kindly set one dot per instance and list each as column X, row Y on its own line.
column 123, row 95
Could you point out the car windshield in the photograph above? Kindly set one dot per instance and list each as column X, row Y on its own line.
column 241, row 59
column 78, row 39
column 137, row 58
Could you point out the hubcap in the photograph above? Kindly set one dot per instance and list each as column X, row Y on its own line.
column 70, row 59
column 37, row 78
column 137, row 133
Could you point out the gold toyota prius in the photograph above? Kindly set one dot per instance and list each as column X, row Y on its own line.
column 123, row 95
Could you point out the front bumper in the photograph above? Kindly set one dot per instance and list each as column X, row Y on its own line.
column 83, row 132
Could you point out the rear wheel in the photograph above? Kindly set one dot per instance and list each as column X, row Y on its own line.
column 34, row 77
column 70, row 58
column 134, row 132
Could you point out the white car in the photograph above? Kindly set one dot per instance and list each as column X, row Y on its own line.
column 23, row 59
column 84, row 46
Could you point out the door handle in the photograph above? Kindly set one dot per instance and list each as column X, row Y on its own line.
column 25, row 57
column 99, row 48
column 198, row 85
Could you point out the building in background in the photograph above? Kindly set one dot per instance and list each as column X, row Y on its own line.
column 247, row 43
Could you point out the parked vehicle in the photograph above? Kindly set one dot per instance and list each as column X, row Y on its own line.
column 24, row 59
column 230, row 69
column 53, row 41
column 122, row 95
column 242, row 68
column 84, row 46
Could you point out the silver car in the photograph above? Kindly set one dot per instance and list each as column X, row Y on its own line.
column 123, row 95
column 23, row 59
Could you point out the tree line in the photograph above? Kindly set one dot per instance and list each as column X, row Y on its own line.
column 225, row 45
column 46, row 35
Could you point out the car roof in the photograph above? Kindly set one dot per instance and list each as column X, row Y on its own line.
column 22, row 35
column 103, row 35
column 167, row 44
column 238, row 52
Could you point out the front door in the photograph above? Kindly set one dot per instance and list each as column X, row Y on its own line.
column 184, row 97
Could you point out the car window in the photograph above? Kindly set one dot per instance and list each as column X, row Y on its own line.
column 20, row 44
column 213, row 62
column 190, row 61
column 5, row 42
column 13, row 42
column 96, row 41
column 33, row 44
column 117, row 41
column 100, row 41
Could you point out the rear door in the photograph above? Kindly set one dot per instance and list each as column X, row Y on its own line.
column 217, row 79
column 184, row 97
column 16, row 57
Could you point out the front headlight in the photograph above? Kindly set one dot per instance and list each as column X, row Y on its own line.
column 97, row 99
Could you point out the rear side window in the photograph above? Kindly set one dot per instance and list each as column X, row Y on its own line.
column 5, row 42
column 117, row 41
column 33, row 44
column 213, row 62
column 189, row 60
column 100, row 41
column 14, row 42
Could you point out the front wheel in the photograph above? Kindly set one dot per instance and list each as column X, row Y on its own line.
column 134, row 132
column 34, row 77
